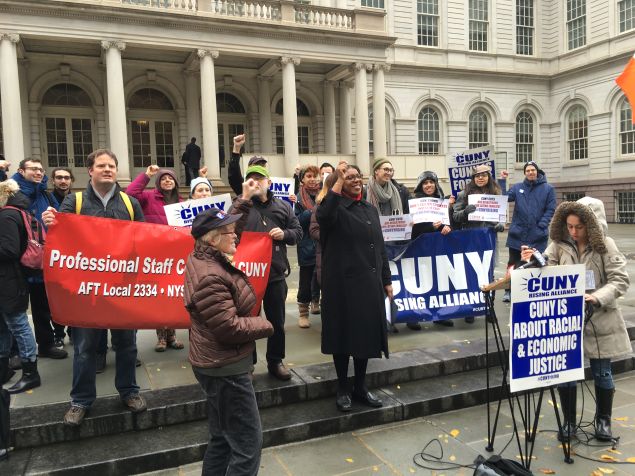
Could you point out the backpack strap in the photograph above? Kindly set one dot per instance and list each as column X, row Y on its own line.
column 128, row 203
column 78, row 202
column 28, row 221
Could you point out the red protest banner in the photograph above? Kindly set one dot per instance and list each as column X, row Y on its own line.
column 117, row 274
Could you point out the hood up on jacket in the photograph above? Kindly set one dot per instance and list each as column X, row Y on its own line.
column 428, row 175
column 597, row 206
column 8, row 189
column 558, row 228
column 163, row 172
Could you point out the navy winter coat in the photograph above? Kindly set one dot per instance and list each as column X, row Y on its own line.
column 535, row 203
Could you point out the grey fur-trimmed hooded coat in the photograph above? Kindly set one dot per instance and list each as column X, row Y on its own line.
column 605, row 336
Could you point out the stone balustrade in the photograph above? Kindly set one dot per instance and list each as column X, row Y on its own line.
column 187, row 6
column 250, row 9
column 323, row 17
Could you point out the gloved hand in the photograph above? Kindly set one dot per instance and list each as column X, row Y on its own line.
column 499, row 227
column 469, row 209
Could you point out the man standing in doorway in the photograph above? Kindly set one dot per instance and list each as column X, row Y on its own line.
column 191, row 160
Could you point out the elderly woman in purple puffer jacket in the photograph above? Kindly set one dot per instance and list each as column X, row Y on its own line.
column 166, row 192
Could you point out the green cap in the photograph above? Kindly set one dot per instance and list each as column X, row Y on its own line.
column 256, row 169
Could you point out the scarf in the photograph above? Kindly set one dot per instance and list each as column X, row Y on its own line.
column 307, row 195
column 382, row 195
column 357, row 197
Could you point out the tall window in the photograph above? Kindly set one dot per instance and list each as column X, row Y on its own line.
column 428, row 22
column 373, row 3
column 576, row 23
column 627, row 15
column 428, row 129
column 525, row 27
column 304, row 131
column 524, row 137
column 478, row 25
column 478, row 129
column 577, row 134
column 627, row 129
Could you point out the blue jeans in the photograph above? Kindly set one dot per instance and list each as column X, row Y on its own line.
column 235, row 433
column 17, row 325
column 602, row 376
column 85, row 345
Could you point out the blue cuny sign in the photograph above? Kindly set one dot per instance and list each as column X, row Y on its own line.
column 547, row 323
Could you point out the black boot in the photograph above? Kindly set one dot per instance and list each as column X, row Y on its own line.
column 5, row 372
column 603, row 411
column 568, row 397
column 30, row 378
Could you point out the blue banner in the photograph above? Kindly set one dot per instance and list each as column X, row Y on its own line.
column 462, row 165
column 437, row 277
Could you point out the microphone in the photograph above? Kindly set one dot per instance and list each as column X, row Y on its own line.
column 537, row 261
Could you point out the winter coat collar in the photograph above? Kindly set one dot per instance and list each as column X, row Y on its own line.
column 539, row 181
column 30, row 189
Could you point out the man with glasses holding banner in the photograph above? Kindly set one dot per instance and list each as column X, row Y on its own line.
column 32, row 180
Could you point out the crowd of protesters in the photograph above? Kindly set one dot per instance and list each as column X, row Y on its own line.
column 334, row 221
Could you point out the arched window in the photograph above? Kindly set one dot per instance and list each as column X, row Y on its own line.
column 66, row 94
column 577, row 134
column 478, row 129
column 627, row 129
column 149, row 98
column 524, row 137
column 428, row 131
column 229, row 103
column 302, row 109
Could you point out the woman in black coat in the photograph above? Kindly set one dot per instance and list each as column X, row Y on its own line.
column 355, row 281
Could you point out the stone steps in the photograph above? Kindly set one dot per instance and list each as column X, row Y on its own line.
column 173, row 431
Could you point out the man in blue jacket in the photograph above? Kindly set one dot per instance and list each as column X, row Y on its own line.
column 535, row 203
column 32, row 180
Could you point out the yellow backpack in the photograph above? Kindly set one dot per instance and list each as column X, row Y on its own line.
column 124, row 197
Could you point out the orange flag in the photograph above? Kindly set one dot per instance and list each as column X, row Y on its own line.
column 626, row 81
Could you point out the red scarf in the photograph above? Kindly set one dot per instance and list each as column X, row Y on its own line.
column 356, row 198
column 308, row 196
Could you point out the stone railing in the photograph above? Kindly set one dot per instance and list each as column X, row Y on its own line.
column 323, row 17
column 251, row 9
column 188, row 6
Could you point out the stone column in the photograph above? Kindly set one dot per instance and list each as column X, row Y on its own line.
column 379, row 110
column 264, row 114
column 192, row 104
column 210, row 120
column 345, row 119
column 117, row 125
column 10, row 96
column 290, row 113
column 329, row 118
column 362, row 152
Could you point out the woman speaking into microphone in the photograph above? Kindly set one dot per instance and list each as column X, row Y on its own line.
column 578, row 234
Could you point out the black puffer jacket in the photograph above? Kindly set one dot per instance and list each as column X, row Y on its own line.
column 14, row 291
column 264, row 217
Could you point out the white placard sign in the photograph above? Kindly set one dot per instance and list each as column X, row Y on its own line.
column 547, row 326
column 488, row 207
column 396, row 227
column 429, row 210
column 183, row 213
column 282, row 187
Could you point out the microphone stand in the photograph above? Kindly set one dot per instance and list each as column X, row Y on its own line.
column 528, row 418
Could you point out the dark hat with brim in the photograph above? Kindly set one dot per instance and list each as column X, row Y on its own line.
column 211, row 219
column 256, row 160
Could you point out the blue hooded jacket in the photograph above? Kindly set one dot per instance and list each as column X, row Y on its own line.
column 39, row 198
column 535, row 203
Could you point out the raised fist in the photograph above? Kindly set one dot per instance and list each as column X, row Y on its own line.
column 152, row 170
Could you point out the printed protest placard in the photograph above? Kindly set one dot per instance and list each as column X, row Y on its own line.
column 462, row 164
column 547, row 319
column 396, row 227
column 119, row 274
column 488, row 207
column 282, row 187
column 429, row 210
column 439, row 276
column 183, row 213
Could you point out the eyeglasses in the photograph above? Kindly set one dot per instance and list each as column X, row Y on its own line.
column 34, row 169
column 62, row 177
column 481, row 175
column 353, row 178
column 229, row 233
column 388, row 170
